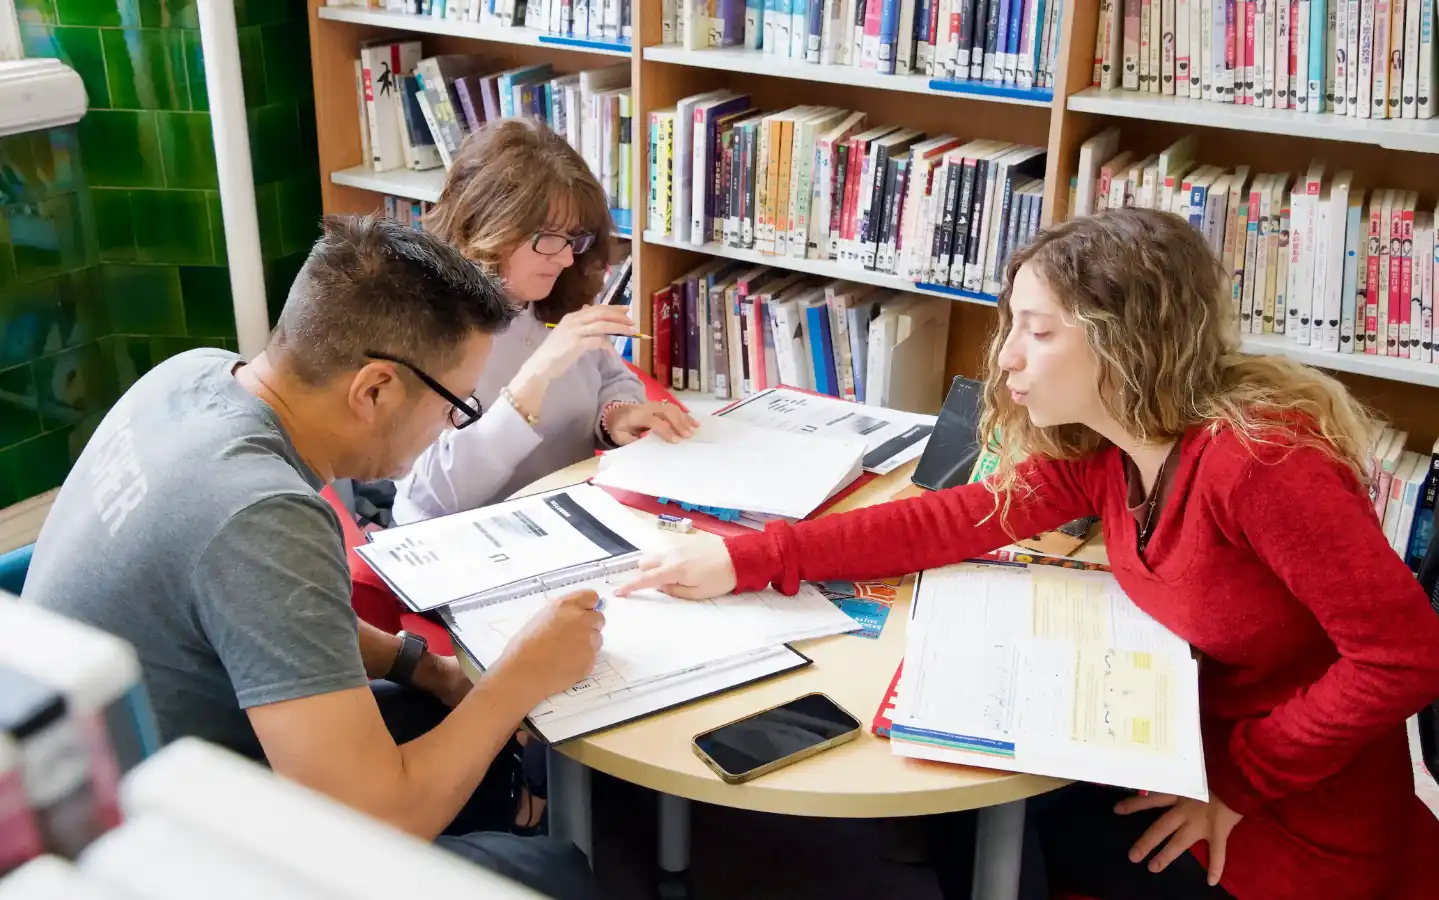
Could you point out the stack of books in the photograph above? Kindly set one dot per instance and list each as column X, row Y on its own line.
column 1325, row 263
column 733, row 330
column 416, row 110
column 1370, row 59
column 823, row 183
column 1003, row 42
column 597, row 21
column 74, row 717
column 197, row 816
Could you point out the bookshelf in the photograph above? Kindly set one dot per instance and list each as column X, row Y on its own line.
column 1382, row 153
column 474, row 31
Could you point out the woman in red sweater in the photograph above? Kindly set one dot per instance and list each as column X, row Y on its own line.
column 1235, row 507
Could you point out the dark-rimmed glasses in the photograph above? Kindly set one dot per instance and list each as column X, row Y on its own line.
column 550, row 243
column 464, row 412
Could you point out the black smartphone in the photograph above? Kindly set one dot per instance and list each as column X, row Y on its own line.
column 750, row 747
column 953, row 448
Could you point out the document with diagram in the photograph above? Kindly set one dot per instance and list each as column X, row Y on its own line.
column 509, row 548
column 892, row 437
column 1051, row 672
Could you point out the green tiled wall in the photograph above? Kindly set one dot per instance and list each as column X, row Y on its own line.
column 112, row 248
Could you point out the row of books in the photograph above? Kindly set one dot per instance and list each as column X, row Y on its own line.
column 1315, row 258
column 732, row 330
column 1364, row 58
column 72, row 722
column 406, row 211
column 415, row 110
column 816, row 182
column 607, row 21
column 200, row 821
column 1006, row 42
column 1403, row 486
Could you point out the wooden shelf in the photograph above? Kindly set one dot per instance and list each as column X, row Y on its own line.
column 1389, row 368
column 530, row 37
column 738, row 59
column 1414, row 135
column 822, row 267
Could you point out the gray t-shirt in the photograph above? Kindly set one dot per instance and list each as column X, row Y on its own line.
column 191, row 528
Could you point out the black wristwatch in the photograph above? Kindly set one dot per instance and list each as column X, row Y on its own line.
column 412, row 648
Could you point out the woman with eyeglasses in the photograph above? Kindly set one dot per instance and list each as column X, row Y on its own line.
column 523, row 203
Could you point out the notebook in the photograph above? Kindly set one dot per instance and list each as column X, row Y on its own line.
column 659, row 651
column 1047, row 671
column 544, row 540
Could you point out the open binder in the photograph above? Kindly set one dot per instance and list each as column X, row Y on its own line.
column 659, row 652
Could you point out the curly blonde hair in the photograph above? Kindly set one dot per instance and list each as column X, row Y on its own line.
column 1156, row 307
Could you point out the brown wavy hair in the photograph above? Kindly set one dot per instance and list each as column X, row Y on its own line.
column 509, row 180
column 1156, row 307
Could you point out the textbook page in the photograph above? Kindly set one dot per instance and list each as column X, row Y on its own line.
column 651, row 639
column 892, row 437
column 466, row 555
column 728, row 463
column 1051, row 672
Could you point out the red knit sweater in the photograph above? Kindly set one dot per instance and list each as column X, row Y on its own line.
column 1317, row 642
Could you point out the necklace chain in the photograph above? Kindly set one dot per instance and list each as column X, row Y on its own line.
column 1153, row 499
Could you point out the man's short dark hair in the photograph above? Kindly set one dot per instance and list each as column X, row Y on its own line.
column 373, row 285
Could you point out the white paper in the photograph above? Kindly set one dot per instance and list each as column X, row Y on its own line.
column 456, row 557
column 891, row 437
column 651, row 639
column 1051, row 672
column 734, row 465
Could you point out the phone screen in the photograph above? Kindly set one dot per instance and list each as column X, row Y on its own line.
column 776, row 733
column 954, row 446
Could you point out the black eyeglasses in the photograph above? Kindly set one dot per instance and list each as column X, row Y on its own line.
column 465, row 412
column 550, row 243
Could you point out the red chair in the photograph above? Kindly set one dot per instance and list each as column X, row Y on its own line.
column 371, row 598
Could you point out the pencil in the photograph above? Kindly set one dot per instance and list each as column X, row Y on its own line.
column 642, row 337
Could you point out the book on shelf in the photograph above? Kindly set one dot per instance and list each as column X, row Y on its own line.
column 731, row 329
column 492, row 569
column 1330, row 266
column 1370, row 59
column 600, row 21
column 1012, row 44
column 416, row 110
column 823, row 183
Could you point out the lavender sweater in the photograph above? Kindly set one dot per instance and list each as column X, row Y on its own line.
column 501, row 453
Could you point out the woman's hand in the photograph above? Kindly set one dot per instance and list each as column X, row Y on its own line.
column 1187, row 822
column 696, row 570
column 630, row 422
column 591, row 328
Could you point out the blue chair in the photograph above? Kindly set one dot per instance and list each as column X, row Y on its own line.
column 13, row 567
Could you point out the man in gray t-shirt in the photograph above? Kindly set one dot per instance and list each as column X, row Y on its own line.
column 192, row 527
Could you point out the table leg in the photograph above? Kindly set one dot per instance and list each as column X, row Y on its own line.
column 674, row 848
column 569, row 802
column 998, row 846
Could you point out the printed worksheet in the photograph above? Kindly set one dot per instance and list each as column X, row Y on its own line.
column 1052, row 672
column 518, row 542
column 892, row 437
column 652, row 639
column 736, row 465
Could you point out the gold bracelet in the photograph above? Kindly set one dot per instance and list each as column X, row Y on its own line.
column 532, row 421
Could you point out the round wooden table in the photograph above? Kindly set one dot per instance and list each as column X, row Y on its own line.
column 860, row 779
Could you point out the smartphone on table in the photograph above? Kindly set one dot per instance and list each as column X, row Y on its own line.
column 755, row 745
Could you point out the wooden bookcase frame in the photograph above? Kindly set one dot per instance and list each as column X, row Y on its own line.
column 1381, row 153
